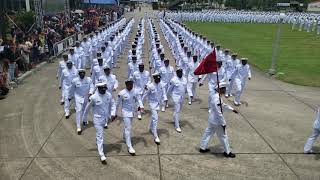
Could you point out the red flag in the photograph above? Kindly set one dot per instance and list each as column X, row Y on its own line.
column 207, row 65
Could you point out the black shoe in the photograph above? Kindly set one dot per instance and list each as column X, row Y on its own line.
column 132, row 154
column 106, row 127
column 230, row 155
column 104, row 162
column 79, row 132
column 84, row 123
column 67, row 117
column 204, row 150
column 62, row 103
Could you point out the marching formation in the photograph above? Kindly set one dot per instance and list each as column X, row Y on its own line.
column 166, row 81
column 100, row 53
column 301, row 21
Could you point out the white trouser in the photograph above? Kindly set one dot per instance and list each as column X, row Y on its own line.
column 109, row 118
column 127, row 130
column 62, row 94
column 318, row 30
column 89, row 61
column 191, row 89
column 239, row 88
column 80, row 106
column 137, row 105
column 99, row 134
column 176, row 113
column 94, row 54
column 66, row 99
column 315, row 134
column 229, row 87
column 154, row 123
column 84, row 62
column 221, row 133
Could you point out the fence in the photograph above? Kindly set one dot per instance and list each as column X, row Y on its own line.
column 61, row 46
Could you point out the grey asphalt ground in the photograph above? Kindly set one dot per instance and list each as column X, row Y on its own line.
column 37, row 142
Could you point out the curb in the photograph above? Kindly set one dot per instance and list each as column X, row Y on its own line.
column 29, row 73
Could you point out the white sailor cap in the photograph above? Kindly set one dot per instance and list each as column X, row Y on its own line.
column 155, row 74
column 101, row 84
column 244, row 59
column 128, row 80
column 81, row 70
column 106, row 67
column 69, row 62
column 222, row 84
column 179, row 69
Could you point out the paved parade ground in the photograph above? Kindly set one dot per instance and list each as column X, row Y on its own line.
column 298, row 60
column 275, row 120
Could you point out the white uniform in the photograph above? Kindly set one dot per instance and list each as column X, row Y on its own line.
column 75, row 60
column 155, row 93
column 127, row 100
column 66, row 78
column 212, row 79
column 87, row 53
column 140, row 79
column 177, row 89
column 216, row 123
column 315, row 133
column 240, row 76
column 96, row 73
column 132, row 67
column 111, row 81
column 101, row 105
column 80, row 89
column 235, row 63
column 81, row 57
column 192, row 79
column 166, row 74
column 112, row 85
column 106, row 55
column 62, row 65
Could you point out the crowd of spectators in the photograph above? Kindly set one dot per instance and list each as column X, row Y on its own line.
column 24, row 50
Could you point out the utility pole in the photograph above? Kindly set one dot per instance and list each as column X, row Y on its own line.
column 27, row 5
column 39, row 13
column 275, row 51
column 67, row 10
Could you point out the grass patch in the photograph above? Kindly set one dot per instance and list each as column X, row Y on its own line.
column 299, row 54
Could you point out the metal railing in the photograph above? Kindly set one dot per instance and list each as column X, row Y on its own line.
column 63, row 45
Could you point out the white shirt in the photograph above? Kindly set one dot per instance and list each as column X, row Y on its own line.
column 103, row 105
column 190, row 72
column 140, row 79
column 215, row 114
column 127, row 100
column 166, row 74
column 81, row 88
column 132, row 67
column 62, row 65
column 111, row 81
column 67, row 76
column 177, row 88
column 75, row 59
column 242, row 72
column 155, row 94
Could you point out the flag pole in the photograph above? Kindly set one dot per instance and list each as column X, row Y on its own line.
column 219, row 90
